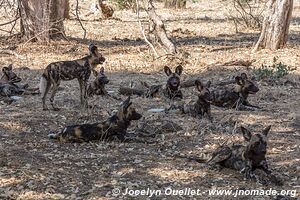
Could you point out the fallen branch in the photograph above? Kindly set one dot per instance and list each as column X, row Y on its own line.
column 191, row 83
column 131, row 91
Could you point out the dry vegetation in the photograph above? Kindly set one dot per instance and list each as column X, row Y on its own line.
column 32, row 167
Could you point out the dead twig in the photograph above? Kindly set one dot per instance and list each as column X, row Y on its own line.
column 12, row 21
column 77, row 16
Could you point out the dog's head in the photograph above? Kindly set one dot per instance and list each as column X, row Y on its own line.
column 97, row 87
column 102, row 78
column 173, row 78
column 127, row 112
column 9, row 75
column 96, row 56
column 204, row 92
column 245, row 86
column 257, row 143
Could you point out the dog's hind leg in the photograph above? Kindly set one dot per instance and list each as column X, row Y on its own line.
column 54, row 90
column 44, row 91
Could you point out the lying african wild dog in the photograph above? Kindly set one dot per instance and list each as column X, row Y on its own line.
column 171, row 90
column 245, row 159
column 113, row 128
column 236, row 97
column 69, row 70
column 97, row 87
column 202, row 105
column 9, row 76
column 9, row 86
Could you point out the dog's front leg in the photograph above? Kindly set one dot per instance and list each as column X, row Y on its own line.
column 85, row 103
column 83, row 91
column 249, row 173
column 247, row 104
column 264, row 166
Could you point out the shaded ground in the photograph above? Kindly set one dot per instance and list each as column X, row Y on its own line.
column 36, row 168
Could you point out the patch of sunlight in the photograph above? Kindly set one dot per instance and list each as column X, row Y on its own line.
column 13, row 126
column 174, row 174
column 9, row 181
column 33, row 195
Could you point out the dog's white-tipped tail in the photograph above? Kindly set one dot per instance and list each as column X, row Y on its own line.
column 53, row 136
column 43, row 85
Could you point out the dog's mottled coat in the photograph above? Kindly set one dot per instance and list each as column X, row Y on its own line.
column 236, row 97
column 113, row 128
column 68, row 70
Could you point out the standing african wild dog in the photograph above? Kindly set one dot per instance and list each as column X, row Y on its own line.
column 171, row 90
column 202, row 105
column 114, row 127
column 97, row 87
column 245, row 159
column 69, row 70
column 236, row 97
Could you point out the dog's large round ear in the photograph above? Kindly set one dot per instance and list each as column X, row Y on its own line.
column 179, row 70
column 246, row 134
column 167, row 70
column 199, row 85
column 239, row 80
column 4, row 69
column 244, row 76
column 208, row 84
column 101, row 70
column 266, row 130
column 92, row 48
column 127, row 103
column 9, row 67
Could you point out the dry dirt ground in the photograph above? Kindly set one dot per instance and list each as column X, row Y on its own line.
column 33, row 167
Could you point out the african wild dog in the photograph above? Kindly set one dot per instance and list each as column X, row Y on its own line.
column 245, row 159
column 69, row 70
column 236, row 97
column 9, row 86
column 171, row 90
column 97, row 87
column 9, row 76
column 106, row 9
column 113, row 128
column 202, row 105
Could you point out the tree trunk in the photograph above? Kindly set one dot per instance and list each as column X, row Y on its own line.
column 176, row 4
column 42, row 20
column 159, row 27
column 67, row 9
column 274, row 34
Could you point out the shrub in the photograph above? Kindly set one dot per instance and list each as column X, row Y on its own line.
column 275, row 71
